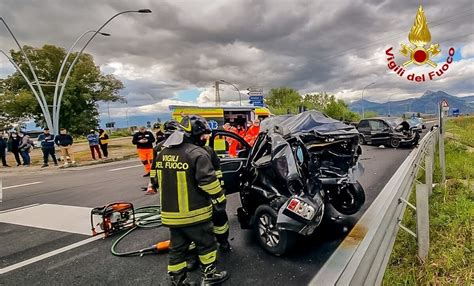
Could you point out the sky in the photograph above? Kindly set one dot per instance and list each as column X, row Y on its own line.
column 175, row 54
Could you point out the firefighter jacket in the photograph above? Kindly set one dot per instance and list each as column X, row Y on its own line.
column 187, row 182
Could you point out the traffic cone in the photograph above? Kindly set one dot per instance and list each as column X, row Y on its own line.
column 150, row 190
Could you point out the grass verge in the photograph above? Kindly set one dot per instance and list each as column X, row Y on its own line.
column 450, row 260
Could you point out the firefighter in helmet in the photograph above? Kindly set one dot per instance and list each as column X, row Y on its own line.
column 169, row 127
column 189, row 185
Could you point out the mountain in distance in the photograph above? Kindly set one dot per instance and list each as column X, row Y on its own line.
column 427, row 103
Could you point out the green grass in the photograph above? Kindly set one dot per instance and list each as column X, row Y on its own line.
column 463, row 129
column 450, row 260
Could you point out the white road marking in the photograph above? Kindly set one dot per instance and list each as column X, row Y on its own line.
column 22, row 185
column 18, row 208
column 49, row 254
column 123, row 168
column 53, row 217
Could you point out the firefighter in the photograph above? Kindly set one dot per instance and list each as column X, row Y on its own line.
column 144, row 140
column 220, row 219
column 169, row 127
column 188, row 184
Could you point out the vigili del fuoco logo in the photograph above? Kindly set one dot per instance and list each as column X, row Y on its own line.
column 420, row 52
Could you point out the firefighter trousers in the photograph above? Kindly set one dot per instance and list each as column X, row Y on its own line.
column 206, row 247
column 221, row 226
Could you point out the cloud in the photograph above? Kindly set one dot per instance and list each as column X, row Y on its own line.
column 468, row 50
column 334, row 46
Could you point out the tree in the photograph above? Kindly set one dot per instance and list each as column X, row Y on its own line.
column 85, row 88
column 282, row 99
column 332, row 107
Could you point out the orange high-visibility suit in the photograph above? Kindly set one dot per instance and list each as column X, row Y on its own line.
column 251, row 134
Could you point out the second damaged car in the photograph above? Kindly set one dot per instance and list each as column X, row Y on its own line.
column 389, row 131
column 298, row 165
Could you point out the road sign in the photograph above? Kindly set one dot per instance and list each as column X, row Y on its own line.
column 256, row 101
column 255, row 89
column 455, row 112
column 255, row 93
column 256, row 98
column 259, row 104
column 445, row 105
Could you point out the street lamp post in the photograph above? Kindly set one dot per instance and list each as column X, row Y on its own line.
column 58, row 80
column 39, row 97
column 389, row 101
column 240, row 95
column 58, row 108
column 363, row 110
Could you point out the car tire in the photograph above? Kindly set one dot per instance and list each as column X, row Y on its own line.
column 274, row 240
column 362, row 140
column 394, row 142
column 350, row 200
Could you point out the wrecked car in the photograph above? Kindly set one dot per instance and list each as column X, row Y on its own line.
column 389, row 131
column 298, row 165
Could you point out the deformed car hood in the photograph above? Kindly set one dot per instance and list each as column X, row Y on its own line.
column 305, row 122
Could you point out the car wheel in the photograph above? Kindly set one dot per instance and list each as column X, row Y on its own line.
column 362, row 140
column 394, row 142
column 349, row 200
column 269, row 236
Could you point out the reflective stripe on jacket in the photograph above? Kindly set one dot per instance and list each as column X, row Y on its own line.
column 187, row 183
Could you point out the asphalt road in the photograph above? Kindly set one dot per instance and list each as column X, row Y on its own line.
column 93, row 264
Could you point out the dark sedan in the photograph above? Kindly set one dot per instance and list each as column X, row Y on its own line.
column 388, row 131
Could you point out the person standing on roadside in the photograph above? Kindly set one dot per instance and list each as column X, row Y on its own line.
column 25, row 147
column 13, row 144
column 93, row 139
column 104, row 142
column 64, row 141
column 3, row 150
column 144, row 140
column 47, row 146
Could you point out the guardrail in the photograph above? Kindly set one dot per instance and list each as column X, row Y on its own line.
column 362, row 257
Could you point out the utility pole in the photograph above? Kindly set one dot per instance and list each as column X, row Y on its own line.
column 218, row 96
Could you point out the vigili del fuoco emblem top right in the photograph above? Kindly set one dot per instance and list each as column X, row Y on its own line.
column 420, row 52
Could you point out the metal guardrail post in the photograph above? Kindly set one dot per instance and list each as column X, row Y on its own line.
column 422, row 221
column 442, row 158
column 429, row 167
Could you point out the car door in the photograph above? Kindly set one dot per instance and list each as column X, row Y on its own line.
column 380, row 131
column 364, row 128
column 231, row 167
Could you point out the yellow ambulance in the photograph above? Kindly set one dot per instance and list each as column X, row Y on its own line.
column 217, row 116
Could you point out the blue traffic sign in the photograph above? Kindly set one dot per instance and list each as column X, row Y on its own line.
column 256, row 98
column 256, row 101
column 259, row 104
column 455, row 111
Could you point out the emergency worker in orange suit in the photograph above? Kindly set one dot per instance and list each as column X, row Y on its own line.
column 144, row 140
column 234, row 144
column 252, row 132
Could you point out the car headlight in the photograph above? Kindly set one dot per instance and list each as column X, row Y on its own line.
column 301, row 208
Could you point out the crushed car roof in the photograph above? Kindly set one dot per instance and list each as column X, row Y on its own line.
column 308, row 121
